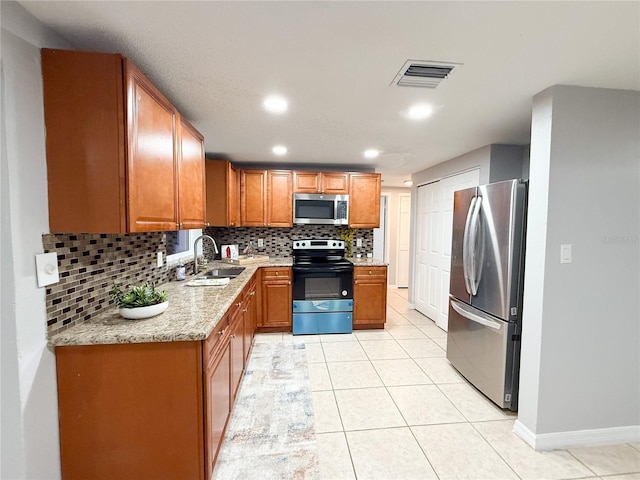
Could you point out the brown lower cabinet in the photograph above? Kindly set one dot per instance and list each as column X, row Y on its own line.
column 276, row 299
column 152, row 410
column 369, row 297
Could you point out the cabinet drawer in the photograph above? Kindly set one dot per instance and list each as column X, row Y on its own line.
column 216, row 339
column 277, row 273
column 369, row 272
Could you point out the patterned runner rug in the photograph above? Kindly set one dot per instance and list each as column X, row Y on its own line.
column 271, row 432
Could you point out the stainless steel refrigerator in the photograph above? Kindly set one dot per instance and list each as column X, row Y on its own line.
column 485, row 294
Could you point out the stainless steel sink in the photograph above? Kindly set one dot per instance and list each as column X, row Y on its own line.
column 223, row 272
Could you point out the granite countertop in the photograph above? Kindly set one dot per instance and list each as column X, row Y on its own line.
column 367, row 262
column 192, row 315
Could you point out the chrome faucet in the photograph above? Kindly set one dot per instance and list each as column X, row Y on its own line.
column 195, row 250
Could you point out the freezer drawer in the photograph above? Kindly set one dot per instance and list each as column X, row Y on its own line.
column 486, row 351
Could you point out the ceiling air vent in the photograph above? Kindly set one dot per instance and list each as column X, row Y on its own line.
column 423, row 74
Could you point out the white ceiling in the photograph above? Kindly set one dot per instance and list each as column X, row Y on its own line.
column 335, row 61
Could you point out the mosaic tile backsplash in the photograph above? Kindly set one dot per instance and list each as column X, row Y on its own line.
column 90, row 264
column 277, row 241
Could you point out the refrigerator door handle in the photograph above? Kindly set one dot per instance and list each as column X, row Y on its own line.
column 466, row 268
column 474, row 317
column 473, row 241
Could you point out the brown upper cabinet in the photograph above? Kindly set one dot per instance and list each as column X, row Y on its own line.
column 364, row 200
column 223, row 194
column 253, row 195
column 279, row 198
column 266, row 198
column 335, row 183
column 119, row 157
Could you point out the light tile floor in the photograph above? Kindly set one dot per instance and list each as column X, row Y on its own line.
column 388, row 405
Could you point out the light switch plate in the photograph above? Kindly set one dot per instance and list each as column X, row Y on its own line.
column 358, row 242
column 261, row 242
column 565, row 253
column 47, row 269
column 159, row 261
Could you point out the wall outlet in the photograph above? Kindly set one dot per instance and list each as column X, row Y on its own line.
column 159, row 260
column 358, row 242
column 261, row 242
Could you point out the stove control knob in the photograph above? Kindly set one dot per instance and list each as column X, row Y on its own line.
column 335, row 244
column 304, row 244
column 344, row 293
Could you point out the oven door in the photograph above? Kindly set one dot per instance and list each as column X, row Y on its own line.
column 322, row 283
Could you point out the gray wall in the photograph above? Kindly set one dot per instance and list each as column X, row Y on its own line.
column 581, row 329
column 29, row 401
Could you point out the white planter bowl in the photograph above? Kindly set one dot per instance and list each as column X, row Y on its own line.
column 143, row 312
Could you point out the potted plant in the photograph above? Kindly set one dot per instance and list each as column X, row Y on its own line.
column 347, row 234
column 139, row 302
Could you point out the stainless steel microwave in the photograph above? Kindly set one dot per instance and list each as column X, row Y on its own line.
column 320, row 209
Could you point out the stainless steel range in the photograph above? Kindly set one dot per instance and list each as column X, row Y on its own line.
column 322, row 288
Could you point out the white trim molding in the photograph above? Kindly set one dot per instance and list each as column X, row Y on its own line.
column 577, row 438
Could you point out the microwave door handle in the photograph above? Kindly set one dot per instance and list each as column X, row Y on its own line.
column 465, row 246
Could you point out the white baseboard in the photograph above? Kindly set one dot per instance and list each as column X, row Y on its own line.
column 577, row 438
column 411, row 306
column 391, row 286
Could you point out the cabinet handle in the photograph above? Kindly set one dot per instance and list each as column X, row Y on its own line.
column 277, row 273
column 356, row 282
column 369, row 272
column 252, row 293
column 207, row 224
column 289, row 282
column 233, row 335
column 238, row 304
column 244, row 309
column 221, row 332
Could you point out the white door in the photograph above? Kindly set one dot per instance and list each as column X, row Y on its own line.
column 404, row 223
column 380, row 234
column 434, row 224
column 427, row 247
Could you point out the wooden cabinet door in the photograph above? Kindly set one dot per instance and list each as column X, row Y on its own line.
column 306, row 182
column 233, row 194
column 276, row 297
column 84, row 111
column 364, row 200
column 279, row 198
column 335, row 183
column 370, row 296
column 249, row 307
column 191, row 178
column 253, row 208
column 217, row 396
column 223, row 202
column 237, row 350
column 152, row 156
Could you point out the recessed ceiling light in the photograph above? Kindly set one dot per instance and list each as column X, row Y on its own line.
column 275, row 104
column 408, row 183
column 371, row 153
column 279, row 150
column 419, row 112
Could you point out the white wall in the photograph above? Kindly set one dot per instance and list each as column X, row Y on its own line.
column 29, row 401
column 580, row 372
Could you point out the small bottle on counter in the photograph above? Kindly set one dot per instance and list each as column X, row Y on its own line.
column 180, row 271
